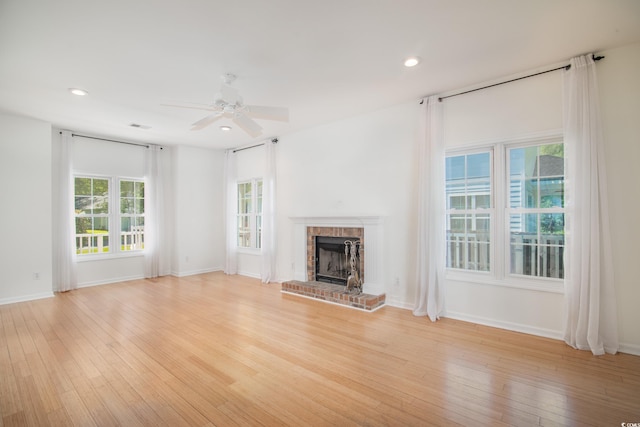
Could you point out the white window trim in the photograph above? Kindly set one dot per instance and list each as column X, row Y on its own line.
column 498, row 274
column 113, row 216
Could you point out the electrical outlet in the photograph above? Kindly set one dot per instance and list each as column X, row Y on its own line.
column 396, row 282
column 36, row 276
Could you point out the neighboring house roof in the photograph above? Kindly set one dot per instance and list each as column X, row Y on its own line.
column 549, row 166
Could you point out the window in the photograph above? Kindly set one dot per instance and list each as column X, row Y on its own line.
column 95, row 219
column 92, row 209
column 250, row 214
column 536, row 210
column 131, row 215
column 468, row 192
column 505, row 210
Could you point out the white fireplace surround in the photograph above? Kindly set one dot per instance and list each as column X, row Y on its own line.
column 373, row 249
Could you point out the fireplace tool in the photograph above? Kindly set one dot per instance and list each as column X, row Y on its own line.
column 352, row 254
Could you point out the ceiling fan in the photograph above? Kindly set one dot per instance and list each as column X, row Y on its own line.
column 229, row 104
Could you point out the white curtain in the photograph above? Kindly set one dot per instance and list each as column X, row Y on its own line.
column 230, row 212
column 154, row 243
column 268, row 250
column 431, row 232
column 590, row 305
column 64, row 247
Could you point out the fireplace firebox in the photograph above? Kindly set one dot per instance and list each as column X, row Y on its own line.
column 331, row 260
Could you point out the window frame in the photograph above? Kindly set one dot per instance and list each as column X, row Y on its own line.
column 476, row 211
column 120, row 215
column 499, row 274
column 255, row 217
column 114, row 218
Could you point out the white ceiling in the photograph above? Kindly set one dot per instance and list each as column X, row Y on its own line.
column 325, row 60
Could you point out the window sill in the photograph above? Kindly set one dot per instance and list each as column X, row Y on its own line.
column 248, row 251
column 542, row 285
column 106, row 257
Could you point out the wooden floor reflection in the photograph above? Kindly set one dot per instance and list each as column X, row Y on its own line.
column 225, row 350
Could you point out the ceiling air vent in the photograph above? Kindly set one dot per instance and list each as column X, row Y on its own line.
column 139, row 126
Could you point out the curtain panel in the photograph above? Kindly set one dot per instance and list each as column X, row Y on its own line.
column 431, row 212
column 590, row 305
column 64, row 247
column 154, row 241
column 269, row 218
column 230, row 217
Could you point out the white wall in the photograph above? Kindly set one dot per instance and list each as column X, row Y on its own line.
column 96, row 157
column 519, row 109
column 619, row 85
column 198, row 215
column 361, row 166
column 368, row 167
column 25, row 221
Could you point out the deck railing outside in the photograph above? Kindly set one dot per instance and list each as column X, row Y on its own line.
column 97, row 243
column 530, row 254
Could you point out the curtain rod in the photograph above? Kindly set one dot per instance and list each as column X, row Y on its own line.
column 113, row 140
column 566, row 67
column 274, row 140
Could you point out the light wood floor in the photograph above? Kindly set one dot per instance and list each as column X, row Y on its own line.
column 226, row 350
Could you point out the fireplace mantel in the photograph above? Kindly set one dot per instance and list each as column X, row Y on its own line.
column 374, row 250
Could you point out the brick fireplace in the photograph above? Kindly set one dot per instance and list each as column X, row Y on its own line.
column 369, row 231
column 346, row 232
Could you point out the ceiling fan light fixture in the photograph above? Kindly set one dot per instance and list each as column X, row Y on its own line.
column 411, row 61
column 78, row 92
column 225, row 128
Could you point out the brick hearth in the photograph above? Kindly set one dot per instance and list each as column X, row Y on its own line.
column 334, row 293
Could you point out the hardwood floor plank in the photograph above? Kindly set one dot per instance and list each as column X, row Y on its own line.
column 218, row 350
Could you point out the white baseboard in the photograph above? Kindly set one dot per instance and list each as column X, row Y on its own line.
column 249, row 274
column 398, row 304
column 194, row 272
column 629, row 349
column 24, row 298
column 510, row 326
column 109, row 281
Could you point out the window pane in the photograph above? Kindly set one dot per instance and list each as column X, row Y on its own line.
column 126, row 188
column 83, row 186
column 82, row 204
column 552, row 192
column 127, row 205
column 131, row 233
column 139, row 189
column 100, row 187
column 468, row 242
column 537, row 176
column 478, row 165
column 457, row 202
column 244, row 231
column 259, row 231
column 468, row 188
column 537, row 245
column 455, row 167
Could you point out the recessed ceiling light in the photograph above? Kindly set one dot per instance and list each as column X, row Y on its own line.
column 225, row 128
column 411, row 61
column 79, row 92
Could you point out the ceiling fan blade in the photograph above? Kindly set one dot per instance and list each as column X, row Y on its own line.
column 247, row 124
column 268, row 113
column 203, row 123
column 229, row 94
column 204, row 107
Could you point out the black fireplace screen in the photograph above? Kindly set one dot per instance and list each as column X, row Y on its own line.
column 332, row 265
